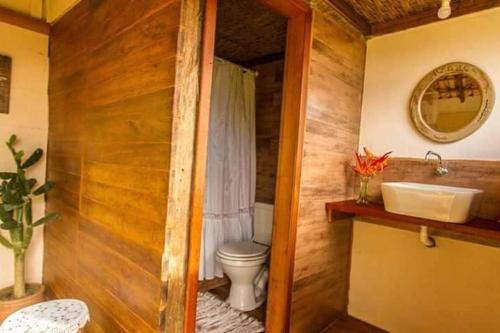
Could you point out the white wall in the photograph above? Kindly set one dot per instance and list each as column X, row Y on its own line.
column 396, row 283
column 28, row 119
column 397, row 62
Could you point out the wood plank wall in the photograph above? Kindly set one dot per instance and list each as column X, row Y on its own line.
column 322, row 255
column 112, row 70
column 269, row 88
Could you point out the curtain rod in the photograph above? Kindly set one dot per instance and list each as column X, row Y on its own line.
column 254, row 72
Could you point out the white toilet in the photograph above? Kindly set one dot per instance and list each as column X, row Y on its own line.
column 245, row 262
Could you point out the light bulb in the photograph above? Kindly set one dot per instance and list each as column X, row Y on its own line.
column 445, row 11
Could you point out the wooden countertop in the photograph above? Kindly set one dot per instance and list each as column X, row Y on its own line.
column 477, row 227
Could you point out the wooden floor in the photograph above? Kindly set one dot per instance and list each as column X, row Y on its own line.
column 349, row 324
column 207, row 285
column 220, row 288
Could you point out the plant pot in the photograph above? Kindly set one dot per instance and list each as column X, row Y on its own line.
column 36, row 294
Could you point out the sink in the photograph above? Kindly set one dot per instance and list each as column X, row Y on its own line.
column 433, row 202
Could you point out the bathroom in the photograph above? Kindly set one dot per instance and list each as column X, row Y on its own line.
column 148, row 165
column 333, row 260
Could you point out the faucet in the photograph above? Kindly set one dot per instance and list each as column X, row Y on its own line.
column 441, row 170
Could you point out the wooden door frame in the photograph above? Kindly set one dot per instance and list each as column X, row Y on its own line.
column 296, row 70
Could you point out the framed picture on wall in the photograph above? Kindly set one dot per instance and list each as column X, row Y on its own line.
column 5, row 75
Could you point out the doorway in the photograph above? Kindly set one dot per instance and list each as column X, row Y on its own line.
column 295, row 69
column 243, row 143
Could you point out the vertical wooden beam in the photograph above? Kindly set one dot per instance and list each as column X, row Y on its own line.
column 288, row 175
column 182, row 168
column 201, row 151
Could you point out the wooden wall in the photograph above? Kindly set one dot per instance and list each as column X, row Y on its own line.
column 322, row 254
column 112, row 70
column 269, row 87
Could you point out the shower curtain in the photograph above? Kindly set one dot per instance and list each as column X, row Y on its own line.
column 231, row 165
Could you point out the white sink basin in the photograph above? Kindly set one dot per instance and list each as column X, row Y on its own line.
column 433, row 202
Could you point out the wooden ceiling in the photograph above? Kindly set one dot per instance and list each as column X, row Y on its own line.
column 375, row 12
column 375, row 17
column 248, row 33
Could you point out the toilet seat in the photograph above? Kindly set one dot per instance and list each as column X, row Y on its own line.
column 221, row 256
column 243, row 251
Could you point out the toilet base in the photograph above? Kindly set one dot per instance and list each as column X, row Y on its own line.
column 242, row 298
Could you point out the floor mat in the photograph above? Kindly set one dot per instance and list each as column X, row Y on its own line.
column 216, row 316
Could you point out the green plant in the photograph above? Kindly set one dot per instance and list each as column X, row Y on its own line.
column 16, row 195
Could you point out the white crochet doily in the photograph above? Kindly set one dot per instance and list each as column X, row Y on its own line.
column 58, row 316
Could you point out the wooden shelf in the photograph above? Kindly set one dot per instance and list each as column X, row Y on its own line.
column 477, row 227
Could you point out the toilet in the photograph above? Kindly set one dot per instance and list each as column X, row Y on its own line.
column 245, row 263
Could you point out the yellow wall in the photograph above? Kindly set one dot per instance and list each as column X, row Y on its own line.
column 28, row 118
column 401, row 286
column 57, row 8
column 52, row 11
column 396, row 283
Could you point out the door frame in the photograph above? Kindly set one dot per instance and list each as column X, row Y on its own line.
column 296, row 71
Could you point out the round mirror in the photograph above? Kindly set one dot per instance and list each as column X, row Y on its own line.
column 452, row 102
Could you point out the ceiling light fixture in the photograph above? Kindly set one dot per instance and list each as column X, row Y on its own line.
column 445, row 11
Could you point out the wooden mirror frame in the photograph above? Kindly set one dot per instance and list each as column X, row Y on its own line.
column 488, row 100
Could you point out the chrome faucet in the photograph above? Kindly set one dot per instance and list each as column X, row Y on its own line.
column 441, row 169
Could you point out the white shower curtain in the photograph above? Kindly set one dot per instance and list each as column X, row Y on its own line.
column 231, row 165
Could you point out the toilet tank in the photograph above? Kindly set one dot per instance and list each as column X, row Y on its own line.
column 263, row 223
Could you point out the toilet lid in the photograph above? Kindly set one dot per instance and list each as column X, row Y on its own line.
column 243, row 249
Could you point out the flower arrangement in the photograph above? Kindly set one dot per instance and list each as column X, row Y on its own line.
column 367, row 166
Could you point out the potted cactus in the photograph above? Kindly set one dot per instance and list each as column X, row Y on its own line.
column 16, row 222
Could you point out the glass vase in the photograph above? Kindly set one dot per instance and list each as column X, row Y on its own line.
column 363, row 191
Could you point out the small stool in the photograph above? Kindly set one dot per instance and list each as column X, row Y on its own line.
column 58, row 316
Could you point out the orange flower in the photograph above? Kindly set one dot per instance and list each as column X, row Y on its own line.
column 369, row 165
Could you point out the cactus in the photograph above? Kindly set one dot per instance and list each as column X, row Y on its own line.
column 16, row 193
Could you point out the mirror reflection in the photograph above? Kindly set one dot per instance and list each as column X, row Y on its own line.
column 451, row 102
